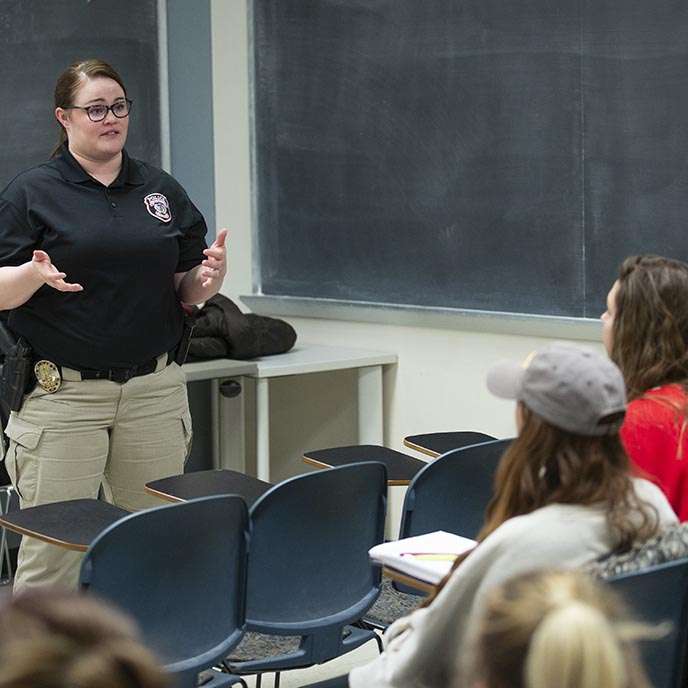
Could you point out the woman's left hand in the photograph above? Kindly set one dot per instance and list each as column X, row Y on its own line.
column 215, row 263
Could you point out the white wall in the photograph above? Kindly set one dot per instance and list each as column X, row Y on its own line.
column 439, row 382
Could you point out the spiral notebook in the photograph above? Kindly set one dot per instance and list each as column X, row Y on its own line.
column 425, row 557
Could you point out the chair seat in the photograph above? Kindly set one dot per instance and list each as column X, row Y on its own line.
column 260, row 645
column 262, row 652
column 391, row 605
column 257, row 646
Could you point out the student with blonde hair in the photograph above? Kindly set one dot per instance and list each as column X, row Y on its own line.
column 645, row 331
column 55, row 639
column 557, row 629
column 563, row 496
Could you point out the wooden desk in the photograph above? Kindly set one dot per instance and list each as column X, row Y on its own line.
column 405, row 579
column 317, row 358
column 302, row 360
column 180, row 488
column 72, row 525
column 435, row 444
column 401, row 468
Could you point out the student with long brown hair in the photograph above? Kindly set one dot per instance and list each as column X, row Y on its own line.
column 645, row 331
column 563, row 497
column 558, row 629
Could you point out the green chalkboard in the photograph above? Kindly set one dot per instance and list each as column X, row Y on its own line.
column 486, row 154
column 39, row 38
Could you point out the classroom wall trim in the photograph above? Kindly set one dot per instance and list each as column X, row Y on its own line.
column 492, row 322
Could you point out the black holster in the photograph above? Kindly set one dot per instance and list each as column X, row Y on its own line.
column 183, row 348
column 15, row 372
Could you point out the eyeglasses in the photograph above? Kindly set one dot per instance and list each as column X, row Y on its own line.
column 97, row 113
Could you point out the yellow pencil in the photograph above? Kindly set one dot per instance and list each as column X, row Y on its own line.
column 429, row 556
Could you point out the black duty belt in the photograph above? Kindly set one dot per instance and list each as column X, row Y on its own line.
column 50, row 375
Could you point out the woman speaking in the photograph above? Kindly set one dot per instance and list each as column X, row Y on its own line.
column 97, row 253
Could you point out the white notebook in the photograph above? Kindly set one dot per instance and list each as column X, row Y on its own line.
column 425, row 557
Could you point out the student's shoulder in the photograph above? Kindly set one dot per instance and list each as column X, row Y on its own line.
column 652, row 494
column 657, row 402
column 549, row 527
column 551, row 513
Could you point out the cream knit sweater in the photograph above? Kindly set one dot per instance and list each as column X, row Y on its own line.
column 422, row 649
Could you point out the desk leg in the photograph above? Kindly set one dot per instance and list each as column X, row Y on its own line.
column 263, row 428
column 232, row 446
column 215, row 421
column 370, row 429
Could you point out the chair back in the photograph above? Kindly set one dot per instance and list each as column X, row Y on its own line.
column 451, row 492
column 180, row 572
column 657, row 594
column 308, row 568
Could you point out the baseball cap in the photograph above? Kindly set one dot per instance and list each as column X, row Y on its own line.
column 571, row 387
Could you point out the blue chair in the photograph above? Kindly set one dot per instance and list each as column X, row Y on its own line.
column 657, row 594
column 451, row 493
column 309, row 574
column 180, row 572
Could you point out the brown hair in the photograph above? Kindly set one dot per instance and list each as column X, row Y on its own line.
column 547, row 465
column 69, row 81
column 55, row 639
column 555, row 628
column 650, row 328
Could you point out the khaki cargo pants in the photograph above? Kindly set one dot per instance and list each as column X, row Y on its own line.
column 89, row 434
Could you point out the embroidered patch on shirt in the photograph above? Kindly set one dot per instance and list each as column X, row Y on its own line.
column 158, row 207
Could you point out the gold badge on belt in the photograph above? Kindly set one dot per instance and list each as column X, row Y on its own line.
column 48, row 375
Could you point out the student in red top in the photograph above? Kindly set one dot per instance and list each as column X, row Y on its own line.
column 645, row 331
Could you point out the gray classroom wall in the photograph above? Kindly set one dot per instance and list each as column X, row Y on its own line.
column 189, row 63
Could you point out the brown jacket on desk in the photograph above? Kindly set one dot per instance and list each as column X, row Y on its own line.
column 223, row 331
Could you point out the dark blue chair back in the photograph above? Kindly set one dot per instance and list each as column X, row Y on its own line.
column 180, row 572
column 309, row 572
column 657, row 594
column 451, row 492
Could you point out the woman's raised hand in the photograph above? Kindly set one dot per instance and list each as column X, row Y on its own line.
column 215, row 263
column 50, row 275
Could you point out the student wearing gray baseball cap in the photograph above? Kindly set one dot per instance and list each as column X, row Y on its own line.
column 571, row 387
column 563, row 497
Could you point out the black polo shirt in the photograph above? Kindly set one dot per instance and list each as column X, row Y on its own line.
column 122, row 243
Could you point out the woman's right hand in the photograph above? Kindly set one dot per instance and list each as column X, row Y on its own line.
column 49, row 274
